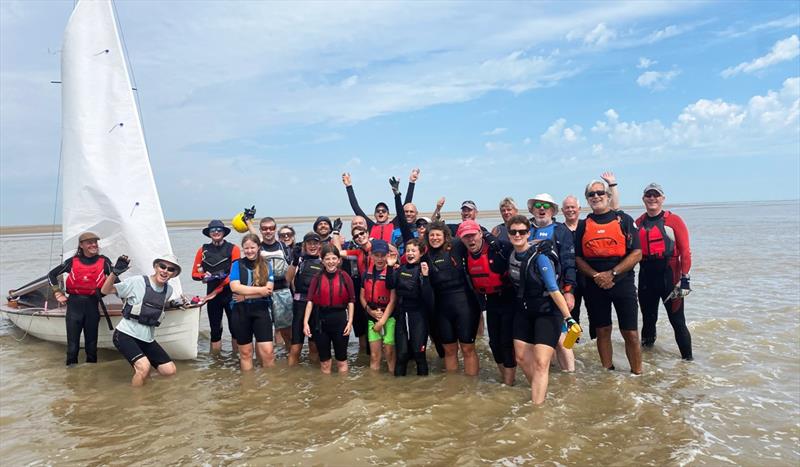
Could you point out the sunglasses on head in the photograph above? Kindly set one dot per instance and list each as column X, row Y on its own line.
column 166, row 267
column 540, row 205
column 652, row 194
column 515, row 232
column 592, row 194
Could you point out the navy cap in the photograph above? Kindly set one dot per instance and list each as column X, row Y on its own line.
column 380, row 246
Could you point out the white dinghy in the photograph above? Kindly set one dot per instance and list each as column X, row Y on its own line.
column 107, row 182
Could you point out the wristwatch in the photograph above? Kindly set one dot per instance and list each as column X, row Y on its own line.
column 614, row 273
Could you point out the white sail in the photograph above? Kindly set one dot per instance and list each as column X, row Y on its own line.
column 107, row 181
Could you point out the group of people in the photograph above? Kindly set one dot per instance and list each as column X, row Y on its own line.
column 398, row 283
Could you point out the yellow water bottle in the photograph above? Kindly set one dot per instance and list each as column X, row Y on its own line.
column 573, row 333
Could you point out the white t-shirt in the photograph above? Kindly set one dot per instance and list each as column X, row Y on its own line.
column 132, row 290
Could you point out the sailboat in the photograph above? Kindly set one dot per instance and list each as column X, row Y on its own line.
column 107, row 182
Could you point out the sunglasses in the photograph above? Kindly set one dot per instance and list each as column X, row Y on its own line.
column 216, row 230
column 286, row 234
column 539, row 205
column 381, row 211
column 592, row 194
column 652, row 194
column 515, row 232
column 358, row 234
column 166, row 267
column 422, row 224
column 267, row 228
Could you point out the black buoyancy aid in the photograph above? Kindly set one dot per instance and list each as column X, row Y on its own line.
column 657, row 238
column 308, row 268
column 332, row 291
column 217, row 258
column 85, row 279
column 532, row 285
column 150, row 311
column 604, row 241
column 484, row 280
column 408, row 283
column 376, row 288
column 446, row 271
column 382, row 231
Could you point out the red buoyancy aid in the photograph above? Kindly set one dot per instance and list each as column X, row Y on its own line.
column 604, row 240
column 84, row 279
column 376, row 289
column 332, row 292
column 657, row 239
column 382, row 231
column 484, row 280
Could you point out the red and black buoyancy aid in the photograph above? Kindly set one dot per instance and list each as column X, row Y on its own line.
column 382, row 231
column 376, row 289
column 217, row 258
column 332, row 291
column 657, row 238
column 85, row 279
column 604, row 240
column 484, row 280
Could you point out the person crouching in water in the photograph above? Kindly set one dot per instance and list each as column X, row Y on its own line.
column 331, row 291
column 414, row 304
column 541, row 307
column 144, row 301
column 252, row 284
column 379, row 300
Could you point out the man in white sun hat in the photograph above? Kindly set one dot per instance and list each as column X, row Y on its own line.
column 144, row 300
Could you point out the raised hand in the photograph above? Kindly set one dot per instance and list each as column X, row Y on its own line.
column 122, row 265
column 609, row 177
column 440, row 203
column 249, row 213
column 346, row 179
column 395, row 183
column 414, row 175
column 423, row 269
column 337, row 225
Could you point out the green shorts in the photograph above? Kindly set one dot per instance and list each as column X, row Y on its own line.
column 386, row 335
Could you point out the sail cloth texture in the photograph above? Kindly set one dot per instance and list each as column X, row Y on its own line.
column 107, row 181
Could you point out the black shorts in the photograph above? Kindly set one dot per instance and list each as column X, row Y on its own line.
column 622, row 296
column 133, row 349
column 537, row 328
column 457, row 318
column 329, row 330
column 252, row 320
column 298, row 315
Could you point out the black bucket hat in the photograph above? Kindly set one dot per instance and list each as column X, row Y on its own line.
column 216, row 224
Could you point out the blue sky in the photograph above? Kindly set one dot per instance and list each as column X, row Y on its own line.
column 267, row 103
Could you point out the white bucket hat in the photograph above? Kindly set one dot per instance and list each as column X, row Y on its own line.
column 169, row 258
column 543, row 197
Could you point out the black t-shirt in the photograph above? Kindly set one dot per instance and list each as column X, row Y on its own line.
column 628, row 228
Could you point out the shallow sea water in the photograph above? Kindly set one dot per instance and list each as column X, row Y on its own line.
column 738, row 403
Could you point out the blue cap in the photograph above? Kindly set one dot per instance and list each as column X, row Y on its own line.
column 380, row 246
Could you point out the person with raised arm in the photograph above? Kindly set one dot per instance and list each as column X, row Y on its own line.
column 381, row 227
column 379, row 299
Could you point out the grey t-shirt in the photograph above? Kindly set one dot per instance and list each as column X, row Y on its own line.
column 132, row 290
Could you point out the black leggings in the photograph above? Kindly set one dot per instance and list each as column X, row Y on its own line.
column 215, row 307
column 411, row 339
column 655, row 284
column 457, row 317
column 298, row 317
column 500, row 323
column 330, row 329
column 82, row 315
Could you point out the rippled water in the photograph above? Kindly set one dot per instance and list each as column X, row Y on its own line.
column 738, row 403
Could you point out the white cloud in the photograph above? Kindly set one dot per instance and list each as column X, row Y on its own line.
column 496, row 131
column 599, row 36
column 526, row 141
column 349, row 82
column 783, row 50
column 661, row 34
column 560, row 134
column 645, row 63
column 656, row 80
column 497, row 146
column 787, row 22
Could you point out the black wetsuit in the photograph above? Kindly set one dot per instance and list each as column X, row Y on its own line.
column 457, row 311
column 415, row 301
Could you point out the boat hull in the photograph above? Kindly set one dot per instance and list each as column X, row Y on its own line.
column 177, row 334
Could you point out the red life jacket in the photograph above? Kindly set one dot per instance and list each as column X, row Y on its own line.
column 382, row 231
column 484, row 280
column 84, row 279
column 657, row 239
column 332, row 291
column 376, row 290
column 604, row 240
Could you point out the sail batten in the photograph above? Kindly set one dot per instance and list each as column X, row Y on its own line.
column 107, row 181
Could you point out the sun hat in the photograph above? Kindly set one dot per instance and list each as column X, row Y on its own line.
column 545, row 197
column 216, row 224
column 171, row 259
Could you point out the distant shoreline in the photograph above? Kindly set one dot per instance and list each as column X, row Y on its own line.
column 292, row 220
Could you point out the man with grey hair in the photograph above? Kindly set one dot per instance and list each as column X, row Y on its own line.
column 508, row 209
column 606, row 250
column 571, row 208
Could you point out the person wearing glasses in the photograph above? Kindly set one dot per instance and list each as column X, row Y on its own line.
column 144, row 300
column 541, row 309
column 607, row 249
column 664, row 270
column 304, row 267
column 87, row 270
column 279, row 257
column 355, row 261
column 381, row 227
column 286, row 235
column 212, row 265
column 544, row 227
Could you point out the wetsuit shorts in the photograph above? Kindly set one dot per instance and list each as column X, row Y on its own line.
column 329, row 330
column 133, row 349
column 537, row 328
column 252, row 320
column 622, row 296
column 282, row 308
column 457, row 318
column 387, row 333
column 298, row 315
